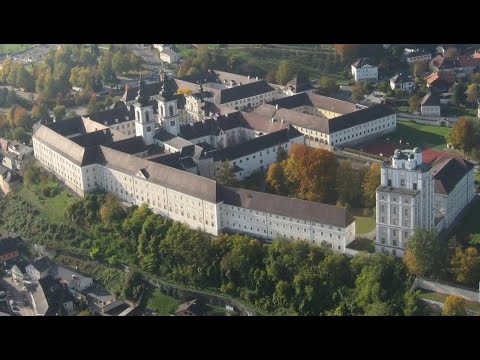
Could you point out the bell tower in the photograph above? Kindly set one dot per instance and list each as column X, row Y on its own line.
column 144, row 124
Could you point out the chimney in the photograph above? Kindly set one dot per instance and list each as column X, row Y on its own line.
column 256, row 78
column 283, row 121
column 248, row 77
column 273, row 119
column 276, row 106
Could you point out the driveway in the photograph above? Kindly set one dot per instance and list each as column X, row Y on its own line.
column 18, row 295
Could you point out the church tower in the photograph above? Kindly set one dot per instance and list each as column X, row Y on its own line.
column 168, row 114
column 144, row 121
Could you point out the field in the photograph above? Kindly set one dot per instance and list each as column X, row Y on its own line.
column 52, row 207
column 162, row 304
column 314, row 59
column 11, row 49
column 409, row 135
column 364, row 224
column 415, row 134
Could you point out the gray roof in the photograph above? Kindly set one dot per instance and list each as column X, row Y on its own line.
column 150, row 90
column 64, row 146
column 447, row 172
column 363, row 61
column 174, row 179
column 430, row 100
column 117, row 115
column 257, row 144
column 177, row 142
column 287, row 206
column 42, row 264
column 358, row 117
column 196, row 307
column 8, row 244
column 40, row 300
column 401, row 78
column 318, row 101
column 66, row 274
column 244, row 91
column 213, row 126
column 133, row 145
column 56, row 294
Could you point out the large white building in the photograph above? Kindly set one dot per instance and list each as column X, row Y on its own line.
column 413, row 194
column 327, row 121
column 364, row 70
column 404, row 200
column 86, row 157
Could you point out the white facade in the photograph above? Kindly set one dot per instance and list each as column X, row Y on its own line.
column 144, row 123
column 253, row 101
column 365, row 73
column 34, row 274
column 258, row 160
column 448, row 206
column 169, row 56
column 430, row 110
column 404, row 200
column 420, row 57
column 271, row 226
column 404, row 85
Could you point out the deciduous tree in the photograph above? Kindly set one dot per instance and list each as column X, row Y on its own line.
column 358, row 91
column 59, row 112
column 225, row 174
column 276, row 180
column 370, row 183
column 466, row 266
column 286, row 71
column 462, row 135
column 454, row 306
column 414, row 103
column 472, row 93
column 425, row 255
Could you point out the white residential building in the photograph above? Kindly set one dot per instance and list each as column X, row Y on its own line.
column 364, row 70
column 418, row 55
column 430, row 105
column 169, row 56
column 403, row 82
column 404, row 200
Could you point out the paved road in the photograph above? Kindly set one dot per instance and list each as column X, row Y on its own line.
column 146, row 53
column 18, row 295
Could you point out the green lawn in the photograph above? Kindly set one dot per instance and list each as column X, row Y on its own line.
column 162, row 304
column 364, row 224
column 13, row 48
column 52, row 207
column 470, row 305
column 419, row 134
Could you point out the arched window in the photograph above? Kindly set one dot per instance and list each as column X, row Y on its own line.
column 147, row 116
column 170, row 110
column 138, row 115
column 161, row 110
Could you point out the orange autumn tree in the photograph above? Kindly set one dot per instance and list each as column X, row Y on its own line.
column 311, row 173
